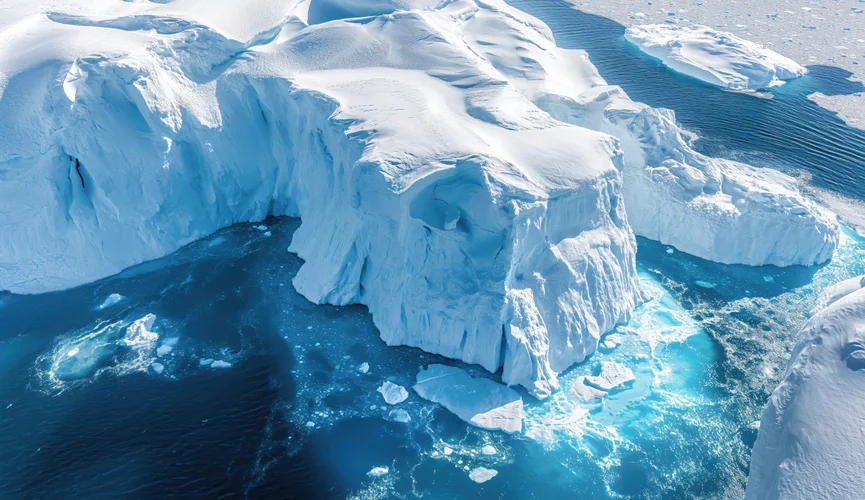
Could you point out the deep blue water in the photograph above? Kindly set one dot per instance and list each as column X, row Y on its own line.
column 83, row 416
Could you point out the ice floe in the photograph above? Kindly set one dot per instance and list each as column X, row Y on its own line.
column 393, row 393
column 478, row 401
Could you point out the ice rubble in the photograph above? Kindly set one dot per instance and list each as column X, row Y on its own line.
column 811, row 443
column 716, row 57
column 478, row 401
column 418, row 148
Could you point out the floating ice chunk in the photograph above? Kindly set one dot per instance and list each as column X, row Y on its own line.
column 705, row 284
column 163, row 350
column 716, row 57
column 670, row 250
column 112, row 299
column 261, row 227
column 393, row 393
column 612, row 376
column 482, row 474
column 220, row 364
column 400, row 416
column 363, row 368
column 310, row 424
column 205, row 361
column 489, row 450
column 478, row 401
column 138, row 334
column 378, row 471
column 583, row 392
column 768, row 279
column 612, row 341
column 158, row 368
column 268, row 234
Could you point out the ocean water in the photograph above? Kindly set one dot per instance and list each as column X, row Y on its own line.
column 248, row 390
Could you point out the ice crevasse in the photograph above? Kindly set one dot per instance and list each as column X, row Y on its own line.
column 811, row 443
column 454, row 170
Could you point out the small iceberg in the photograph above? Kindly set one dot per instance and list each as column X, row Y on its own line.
column 393, row 393
column 482, row 474
column 112, row 299
column 220, row 364
column 478, row 401
column 715, row 57
column 378, row 471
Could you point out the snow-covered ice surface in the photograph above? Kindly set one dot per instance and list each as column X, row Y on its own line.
column 716, row 57
column 823, row 33
column 811, row 443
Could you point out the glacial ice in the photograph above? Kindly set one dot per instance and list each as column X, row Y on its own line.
column 109, row 301
column 478, row 401
column 811, row 443
column 482, row 474
column 454, row 170
column 393, row 394
column 715, row 57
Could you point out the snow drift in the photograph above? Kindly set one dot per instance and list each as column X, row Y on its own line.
column 716, row 57
column 423, row 146
column 811, row 443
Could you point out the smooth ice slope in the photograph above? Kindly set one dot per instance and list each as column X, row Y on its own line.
column 716, row 57
column 811, row 443
column 420, row 146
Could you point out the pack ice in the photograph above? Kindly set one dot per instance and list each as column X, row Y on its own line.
column 716, row 57
column 455, row 171
column 811, row 443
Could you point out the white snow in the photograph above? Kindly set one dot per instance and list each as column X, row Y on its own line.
column 811, row 443
column 478, row 401
column 393, row 394
column 482, row 474
column 716, row 57
column 455, row 171
column 220, row 364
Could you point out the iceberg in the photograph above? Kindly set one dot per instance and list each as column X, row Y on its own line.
column 715, row 57
column 810, row 443
column 482, row 474
column 393, row 394
column 478, row 401
column 456, row 172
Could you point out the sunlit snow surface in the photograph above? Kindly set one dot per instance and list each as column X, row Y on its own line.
column 295, row 411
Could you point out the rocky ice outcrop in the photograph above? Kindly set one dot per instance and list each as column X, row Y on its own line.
column 811, row 443
column 715, row 57
column 478, row 401
column 420, row 147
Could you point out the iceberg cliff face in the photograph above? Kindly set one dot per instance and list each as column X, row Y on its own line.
column 716, row 57
column 811, row 443
column 425, row 148
column 469, row 221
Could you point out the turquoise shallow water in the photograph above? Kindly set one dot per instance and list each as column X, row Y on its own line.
column 83, row 415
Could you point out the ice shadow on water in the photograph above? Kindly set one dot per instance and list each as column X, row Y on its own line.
column 788, row 131
column 706, row 281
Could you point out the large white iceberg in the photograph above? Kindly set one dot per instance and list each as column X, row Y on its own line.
column 716, row 57
column 811, row 443
column 424, row 149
